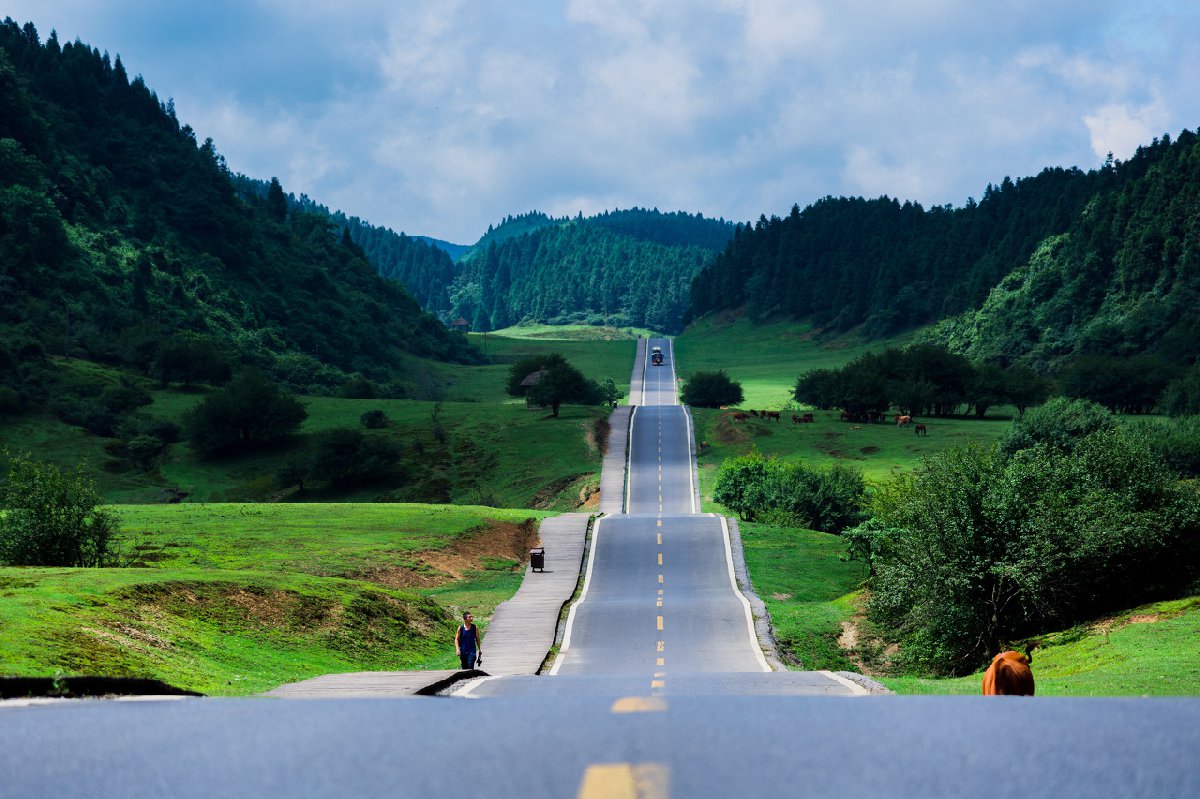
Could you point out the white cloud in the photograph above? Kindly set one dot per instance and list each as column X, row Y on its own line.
column 1119, row 128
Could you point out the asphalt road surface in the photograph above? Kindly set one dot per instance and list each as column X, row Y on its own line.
column 659, row 690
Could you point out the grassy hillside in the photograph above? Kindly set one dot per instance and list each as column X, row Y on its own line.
column 236, row 599
column 491, row 449
column 812, row 597
column 766, row 358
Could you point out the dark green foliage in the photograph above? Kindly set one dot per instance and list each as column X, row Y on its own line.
column 1175, row 442
column 978, row 549
column 1060, row 423
column 118, row 230
column 1123, row 385
column 53, row 518
column 759, row 488
column 277, row 206
column 919, row 379
column 251, row 410
column 10, row 401
column 187, row 358
column 1121, row 278
column 1182, row 395
column 374, row 420
column 623, row 268
column 344, row 456
column 711, row 390
column 551, row 382
column 359, row 387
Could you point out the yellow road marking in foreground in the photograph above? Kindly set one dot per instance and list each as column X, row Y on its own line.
column 625, row 781
column 659, row 558
column 658, row 602
column 660, row 579
column 660, row 622
column 660, row 662
column 639, row 704
column 660, row 539
column 660, row 646
column 660, row 522
column 658, row 684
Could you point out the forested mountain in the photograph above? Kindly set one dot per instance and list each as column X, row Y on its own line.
column 118, row 230
column 1123, row 278
column 631, row 267
column 848, row 261
column 1059, row 265
column 425, row 269
column 455, row 251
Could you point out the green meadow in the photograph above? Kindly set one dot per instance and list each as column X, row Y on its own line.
column 813, row 597
column 238, row 598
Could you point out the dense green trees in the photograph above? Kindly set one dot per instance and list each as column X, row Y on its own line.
column 118, row 229
column 251, row 410
column 623, row 268
column 49, row 517
column 979, row 549
column 920, row 379
column 758, row 488
column 549, row 381
column 711, row 390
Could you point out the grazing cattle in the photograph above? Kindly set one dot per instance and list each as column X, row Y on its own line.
column 795, row 419
column 771, row 415
column 807, row 419
column 844, row 416
column 1009, row 675
column 740, row 417
column 903, row 421
column 921, row 431
column 754, row 413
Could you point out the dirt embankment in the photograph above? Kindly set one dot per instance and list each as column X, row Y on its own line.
column 468, row 553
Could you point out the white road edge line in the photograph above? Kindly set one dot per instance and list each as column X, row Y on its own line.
column 674, row 378
column 855, row 688
column 693, row 463
column 762, row 661
column 587, row 581
column 645, row 363
column 470, row 685
column 629, row 461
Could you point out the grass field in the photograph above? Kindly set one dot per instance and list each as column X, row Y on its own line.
column 766, row 359
column 235, row 599
column 810, row 593
column 571, row 333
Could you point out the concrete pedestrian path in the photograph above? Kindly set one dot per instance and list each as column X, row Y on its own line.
column 613, row 474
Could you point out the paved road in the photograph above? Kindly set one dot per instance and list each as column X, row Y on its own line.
column 572, row 743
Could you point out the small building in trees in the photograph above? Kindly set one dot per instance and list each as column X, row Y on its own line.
column 461, row 325
column 531, row 380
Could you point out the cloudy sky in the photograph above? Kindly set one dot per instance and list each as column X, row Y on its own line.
column 438, row 118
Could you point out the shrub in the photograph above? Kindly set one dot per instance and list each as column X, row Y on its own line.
column 760, row 488
column 1176, row 442
column 1182, row 396
column 1060, row 423
column 250, row 410
column 345, row 456
column 359, row 387
column 977, row 549
column 711, row 390
column 10, row 401
column 374, row 419
column 53, row 518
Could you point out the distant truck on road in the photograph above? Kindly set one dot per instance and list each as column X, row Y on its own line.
column 656, row 356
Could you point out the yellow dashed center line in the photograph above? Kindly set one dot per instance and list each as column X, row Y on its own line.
column 625, row 781
column 659, row 558
column 660, row 662
column 660, row 578
column 660, row 623
column 660, row 539
column 639, row 704
column 660, row 646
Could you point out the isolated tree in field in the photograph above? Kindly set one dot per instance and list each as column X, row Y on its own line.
column 711, row 390
column 250, row 410
column 49, row 517
column 1024, row 387
column 345, row 456
column 549, row 381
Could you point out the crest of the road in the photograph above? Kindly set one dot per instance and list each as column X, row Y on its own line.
column 659, row 689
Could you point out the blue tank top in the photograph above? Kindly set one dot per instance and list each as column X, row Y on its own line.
column 466, row 637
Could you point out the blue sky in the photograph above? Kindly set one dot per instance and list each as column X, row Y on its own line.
column 440, row 118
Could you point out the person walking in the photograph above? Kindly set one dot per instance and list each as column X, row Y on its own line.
column 466, row 642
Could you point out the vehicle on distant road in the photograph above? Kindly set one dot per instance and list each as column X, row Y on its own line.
column 656, row 356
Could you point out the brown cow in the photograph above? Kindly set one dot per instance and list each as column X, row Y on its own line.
column 903, row 421
column 807, row 419
column 740, row 417
column 771, row 415
column 1009, row 675
column 795, row 419
column 920, row 430
column 754, row 413
column 844, row 416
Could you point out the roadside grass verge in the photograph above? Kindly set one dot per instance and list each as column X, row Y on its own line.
column 236, row 599
column 1152, row 650
column 807, row 590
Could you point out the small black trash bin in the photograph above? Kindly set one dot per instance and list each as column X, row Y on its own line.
column 537, row 559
